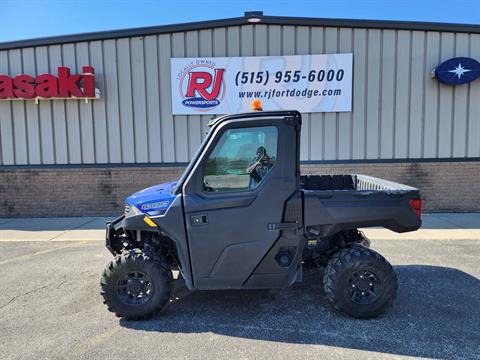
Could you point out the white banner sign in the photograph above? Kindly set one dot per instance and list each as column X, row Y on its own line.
column 221, row 85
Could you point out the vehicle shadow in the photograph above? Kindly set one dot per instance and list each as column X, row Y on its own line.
column 436, row 314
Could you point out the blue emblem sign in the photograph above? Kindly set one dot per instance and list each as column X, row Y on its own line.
column 457, row 71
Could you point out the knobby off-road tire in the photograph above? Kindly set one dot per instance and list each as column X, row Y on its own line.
column 359, row 282
column 136, row 284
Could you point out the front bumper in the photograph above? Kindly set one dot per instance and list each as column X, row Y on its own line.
column 117, row 231
column 114, row 235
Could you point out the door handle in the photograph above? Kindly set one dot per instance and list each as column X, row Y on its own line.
column 196, row 220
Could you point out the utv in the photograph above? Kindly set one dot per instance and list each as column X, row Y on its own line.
column 242, row 217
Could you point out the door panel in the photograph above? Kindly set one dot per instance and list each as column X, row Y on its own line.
column 232, row 236
column 200, row 203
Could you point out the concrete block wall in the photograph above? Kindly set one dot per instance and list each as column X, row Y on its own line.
column 83, row 191
column 75, row 191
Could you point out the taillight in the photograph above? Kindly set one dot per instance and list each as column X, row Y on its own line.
column 416, row 205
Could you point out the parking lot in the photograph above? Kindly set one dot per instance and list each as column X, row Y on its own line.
column 50, row 305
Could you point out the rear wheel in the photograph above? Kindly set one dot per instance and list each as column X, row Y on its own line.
column 360, row 282
column 136, row 284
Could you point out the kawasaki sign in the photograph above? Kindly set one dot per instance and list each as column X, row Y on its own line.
column 47, row 86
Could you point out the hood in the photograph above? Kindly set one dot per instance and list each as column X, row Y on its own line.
column 154, row 200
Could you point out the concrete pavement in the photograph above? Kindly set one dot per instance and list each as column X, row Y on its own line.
column 53, row 229
column 50, row 305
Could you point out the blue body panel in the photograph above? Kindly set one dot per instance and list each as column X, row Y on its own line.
column 154, row 200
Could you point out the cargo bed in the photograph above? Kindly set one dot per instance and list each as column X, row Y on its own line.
column 341, row 202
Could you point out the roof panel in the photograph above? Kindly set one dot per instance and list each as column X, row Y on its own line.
column 243, row 20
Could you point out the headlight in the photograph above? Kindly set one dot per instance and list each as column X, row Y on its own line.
column 131, row 210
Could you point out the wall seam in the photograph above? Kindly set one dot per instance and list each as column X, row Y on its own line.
column 394, row 127
column 353, row 88
column 188, row 117
column 281, row 39
column 380, row 97
column 91, row 105
column 175, row 155
column 309, row 118
column 437, row 145
column 324, row 149
column 452, row 113
column 365, row 90
column 240, row 39
column 254, row 42
column 467, row 123
column 38, row 113
column 135, row 155
column 226, row 41
column 67, row 133
column 409, row 109
column 424, row 90
column 337, row 114
column 24, row 106
column 147, row 118
column 105, row 99
column 122, row 158
column 162, row 145
column 78, row 111
column 52, row 110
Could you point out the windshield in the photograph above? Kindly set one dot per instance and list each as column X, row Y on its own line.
column 178, row 189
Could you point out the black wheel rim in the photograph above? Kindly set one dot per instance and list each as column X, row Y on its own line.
column 364, row 287
column 135, row 288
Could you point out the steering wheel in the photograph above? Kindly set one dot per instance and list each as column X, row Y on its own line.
column 252, row 167
column 207, row 186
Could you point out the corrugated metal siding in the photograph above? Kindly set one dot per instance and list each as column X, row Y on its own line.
column 399, row 111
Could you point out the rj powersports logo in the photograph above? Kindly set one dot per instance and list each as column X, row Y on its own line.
column 201, row 85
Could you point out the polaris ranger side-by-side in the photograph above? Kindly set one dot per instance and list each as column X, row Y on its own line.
column 243, row 217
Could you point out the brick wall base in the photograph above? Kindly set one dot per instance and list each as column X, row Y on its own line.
column 43, row 192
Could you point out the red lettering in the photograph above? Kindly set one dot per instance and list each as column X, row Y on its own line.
column 24, row 86
column 47, row 86
column 6, row 87
column 67, row 84
column 194, row 83
column 217, row 83
column 199, row 82
column 88, row 81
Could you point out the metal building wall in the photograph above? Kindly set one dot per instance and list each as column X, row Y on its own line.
column 399, row 111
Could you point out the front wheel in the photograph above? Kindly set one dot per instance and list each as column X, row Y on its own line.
column 360, row 282
column 136, row 284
